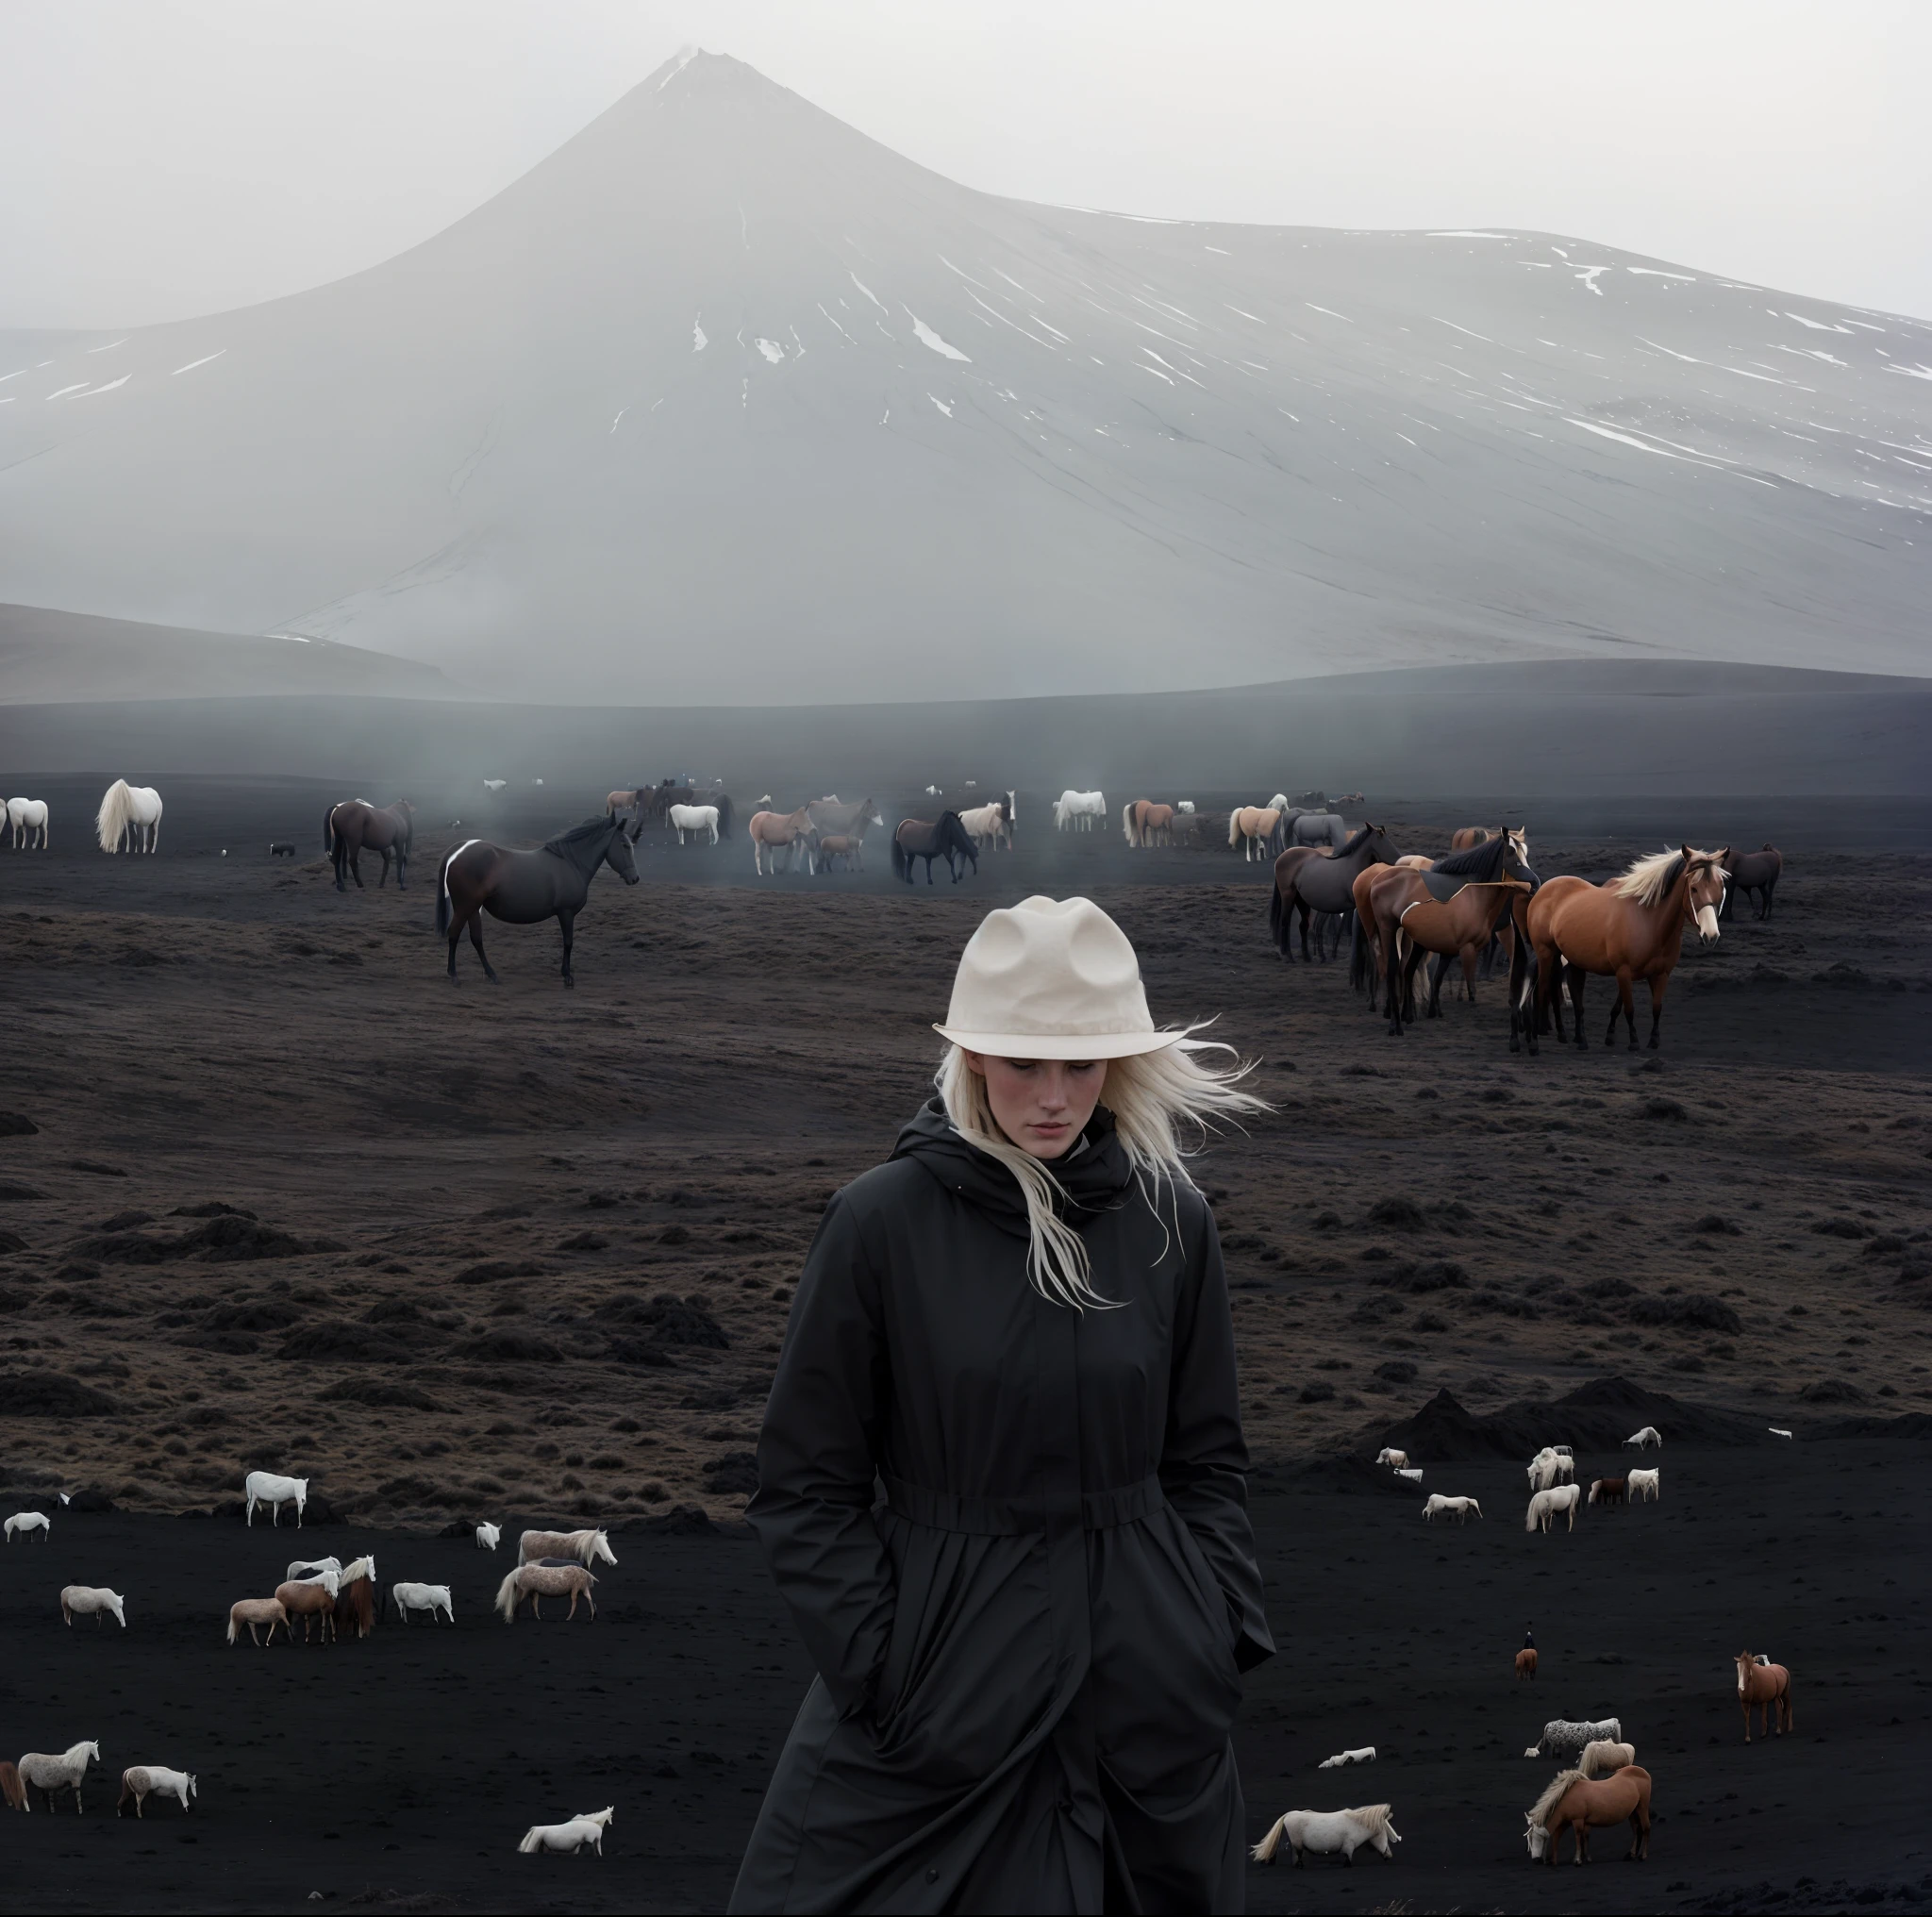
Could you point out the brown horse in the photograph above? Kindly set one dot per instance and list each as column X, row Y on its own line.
column 1314, row 880
column 1751, row 872
column 1574, row 1803
column 777, row 832
column 1768, row 1686
column 525, row 888
column 12, row 1788
column 312, row 1604
column 1452, row 908
column 1466, row 837
column 1147, row 823
column 355, row 824
column 1609, row 1490
column 1628, row 929
column 1526, row 1667
column 620, row 802
column 355, row 1610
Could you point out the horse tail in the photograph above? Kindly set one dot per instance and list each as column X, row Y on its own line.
column 532, row 1840
column 1127, row 820
column 898, row 857
column 724, row 815
column 110, row 822
column 329, row 833
column 1264, row 1853
column 1234, row 827
column 232, row 1628
column 506, row 1598
column 442, row 895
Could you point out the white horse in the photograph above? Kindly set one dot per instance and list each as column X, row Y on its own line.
column 265, row 1488
column 487, row 1537
column 1389, row 1454
column 1325, row 1832
column 129, row 817
column 1644, row 1484
column 1776, row 1431
column 1185, row 806
column 1079, row 812
column 1457, row 1507
column 429, row 1597
column 495, row 785
column 587, row 1547
column 1601, row 1757
column 1649, row 1439
column 1552, row 1465
column 1565, row 1739
column 1278, row 803
column 695, row 818
column 1412, row 1472
column 49, row 1774
column 141, row 1781
column 309, row 1570
column 1342, row 1759
column 1544, row 1506
column 28, row 818
column 586, row 1827
column 92, row 1600
column 986, row 824
column 27, row 1523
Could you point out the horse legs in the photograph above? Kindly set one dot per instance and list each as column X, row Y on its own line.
column 569, row 922
column 383, row 880
column 339, row 858
column 1657, row 1012
column 1624, row 1009
column 477, row 940
column 1301, row 905
column 1412, row 965
column 1574, row 976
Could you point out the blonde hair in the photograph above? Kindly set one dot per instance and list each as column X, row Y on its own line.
column 1158, row 1099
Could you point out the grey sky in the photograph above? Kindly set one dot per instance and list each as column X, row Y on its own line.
column 160, row 160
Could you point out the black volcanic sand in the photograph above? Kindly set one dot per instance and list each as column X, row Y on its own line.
column 408, row 1766
column 510, row 1250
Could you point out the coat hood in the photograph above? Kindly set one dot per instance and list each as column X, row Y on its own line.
column 1093, row 1176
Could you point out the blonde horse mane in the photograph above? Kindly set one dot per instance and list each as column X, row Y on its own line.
column 1649, row 880
column 1560, row 1783
column 1375, row 1816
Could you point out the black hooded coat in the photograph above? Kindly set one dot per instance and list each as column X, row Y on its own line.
column 1015, row 1539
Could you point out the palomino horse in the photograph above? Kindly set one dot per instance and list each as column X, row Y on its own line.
column 832, row 818
column 945, row 838
column 987, row 823
column 254, row 1613
column 129, row 819
column 1450, row 909
column 589, row 1547
column 524, row 888
column 28, row 819
column 1575, row 1803
column 1628, row 929
column 1309, row 881
column 1078, row 811
column 786, row 832
column 1768, row 1686
column 1526, row 1667
column 1253, row 828
column 348, row 828
column 1147, row 823
column 538, row 1581
column 1751, row 872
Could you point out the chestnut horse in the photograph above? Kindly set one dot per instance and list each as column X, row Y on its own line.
column 1751, row 872
column 525, row 888
column 1768, row 1686
column 313, row 1605
column 354, row 826
column 1609, row 1490
column 1574, row 1803
column 1309, row 879
column 1147, row 823
column 775, row 832
column 1631, row 928
column 1525, row 1666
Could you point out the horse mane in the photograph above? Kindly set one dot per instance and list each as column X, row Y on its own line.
column 1552, row 1795
column 1480, row 862
column 576, row 835
column 1375, row 1816
column 1362, row 833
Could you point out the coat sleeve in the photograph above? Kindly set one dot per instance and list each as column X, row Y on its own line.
column 1204, row 1465
column 817, row 1463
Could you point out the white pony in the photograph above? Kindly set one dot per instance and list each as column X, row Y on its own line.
column 27, row 1523
column 1412, row 1472
column 265, row 1488
column 1325, row 1832
column 695, row 818
column 487, row 1537
column 1185, row 806
column 1552, row 1465
column 1643, row 1484
column 1544, row 1506
column 1565, row 1739
column 986, row 824
column 50, row 1775
column 92, row 1600
column 1389, row 1454
column 1278, row 803
column 1342, row 1759
column 1776, row 1432
column 309, row 1570
column 129, row 817
column 429, row 1597
column 586, row 1827
column 28, row 817
column 495, row 785
column 140, row 1782
column 1457, row 1507
column 1649, row 1439
column 1079, row 812
column 1601, row 1757
column 587, row 1547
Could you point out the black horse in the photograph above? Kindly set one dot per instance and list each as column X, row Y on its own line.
column 522, row 888
column 1308, row 880
column 1751, row 872
column 946, row 838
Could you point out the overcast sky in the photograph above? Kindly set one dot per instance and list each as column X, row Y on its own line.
column 159, row 160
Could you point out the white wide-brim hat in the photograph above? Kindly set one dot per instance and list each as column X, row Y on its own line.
column 1051, row 979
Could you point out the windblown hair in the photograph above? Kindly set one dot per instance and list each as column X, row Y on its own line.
column 1649, row 880
column 1164, row 1105
column 1541, row 1810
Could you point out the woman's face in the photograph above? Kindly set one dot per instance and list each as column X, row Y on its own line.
column 1043, row 1105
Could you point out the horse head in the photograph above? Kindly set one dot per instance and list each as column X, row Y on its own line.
column 623, row 861
column 1706, row 872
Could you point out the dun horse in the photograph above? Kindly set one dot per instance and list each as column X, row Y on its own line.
column 1253, row 828
column 945, row 838
column 354, row 826
column 524, row 888
column 1147, row 823
column 777, row 832
column 1628, row 929
column 1309, row 881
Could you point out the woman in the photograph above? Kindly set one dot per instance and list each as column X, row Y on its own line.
column 1017, row 1332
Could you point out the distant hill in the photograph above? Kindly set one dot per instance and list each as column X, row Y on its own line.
column 725, row 402
column 66, row 657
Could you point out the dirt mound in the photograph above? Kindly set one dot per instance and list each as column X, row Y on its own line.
column 492, row 1270
column 232, row 1238
column 509, row 1347
column 671, row 1319
column 333, row 1341
column 16, row 1124
column 52, row 1395
column 357, row 1391
column 1595, row 1417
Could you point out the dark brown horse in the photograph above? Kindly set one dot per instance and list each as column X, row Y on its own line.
column 945, row 837
column 355, row 1608
column 524, row 888
column 1309, row 878
column 348, row 828
column 1768, row 1686
column 1753, row 872
column 1609, row 1490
